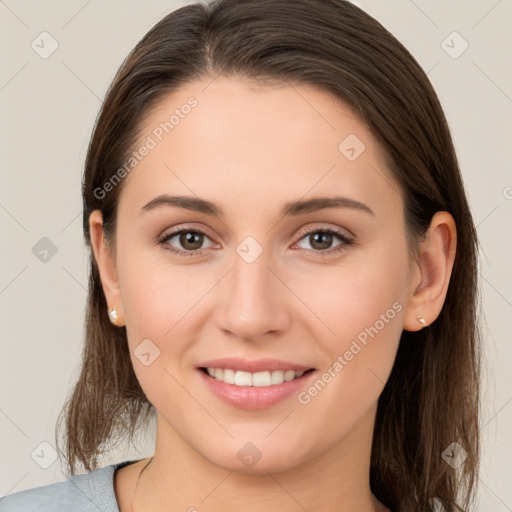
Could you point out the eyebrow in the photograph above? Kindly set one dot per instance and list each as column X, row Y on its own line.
column 292, row 208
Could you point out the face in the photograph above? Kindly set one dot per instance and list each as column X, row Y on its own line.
column 261, row 280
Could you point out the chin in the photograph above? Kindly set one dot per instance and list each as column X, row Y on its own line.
column 256, row 458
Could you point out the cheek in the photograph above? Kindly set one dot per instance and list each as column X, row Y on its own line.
column 156, row 299
column 357, row 361
column 154, row 291
column 360, row 308
column 162, row 301
column 353, row 296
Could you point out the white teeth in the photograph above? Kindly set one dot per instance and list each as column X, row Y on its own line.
column 289, row 375
column 277, row 377
column 261, row 379
column 243, row 378
column 258, row 379
column 228, row 376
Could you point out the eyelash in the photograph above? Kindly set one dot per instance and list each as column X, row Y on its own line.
column 346, row 241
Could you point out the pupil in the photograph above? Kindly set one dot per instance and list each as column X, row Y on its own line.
column 327, row 237
column 188, row 238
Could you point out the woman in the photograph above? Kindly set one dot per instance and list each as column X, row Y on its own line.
column 283, row 273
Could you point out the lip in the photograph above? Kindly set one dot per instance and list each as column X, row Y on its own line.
column 254, row 397
column 260, row 365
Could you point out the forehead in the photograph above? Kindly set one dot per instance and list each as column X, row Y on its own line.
column 248, row 146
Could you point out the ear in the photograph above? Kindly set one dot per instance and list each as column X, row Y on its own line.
column 106, row 265
column 431, row 274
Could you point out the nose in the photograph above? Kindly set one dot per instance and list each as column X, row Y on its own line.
column 254, row 302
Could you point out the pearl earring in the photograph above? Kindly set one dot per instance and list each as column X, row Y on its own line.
column 113, row 315
column 421, row 320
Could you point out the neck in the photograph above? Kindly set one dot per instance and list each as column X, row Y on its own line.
column 336, row 480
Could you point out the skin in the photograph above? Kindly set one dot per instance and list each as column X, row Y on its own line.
column 249, row 150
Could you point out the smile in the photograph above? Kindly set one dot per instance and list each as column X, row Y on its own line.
column 258, row 379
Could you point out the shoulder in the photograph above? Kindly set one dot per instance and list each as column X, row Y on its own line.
column 81, row 493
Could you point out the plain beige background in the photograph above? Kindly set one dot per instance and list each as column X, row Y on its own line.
column 48, row 107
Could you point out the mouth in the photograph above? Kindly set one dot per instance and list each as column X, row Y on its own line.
column 254, row 391
column 252, row 384
column 265, row 378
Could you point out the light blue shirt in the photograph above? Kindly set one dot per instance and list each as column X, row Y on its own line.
column 92, row 492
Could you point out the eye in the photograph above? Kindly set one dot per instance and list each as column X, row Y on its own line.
column 190, row 240
column 320, row 240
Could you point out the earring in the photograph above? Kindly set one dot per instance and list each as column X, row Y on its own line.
column 113, row 315
column 421, row 320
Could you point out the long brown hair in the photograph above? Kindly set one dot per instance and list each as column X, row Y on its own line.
column 431, row 399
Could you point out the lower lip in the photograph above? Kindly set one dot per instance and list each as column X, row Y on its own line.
column 254, row 397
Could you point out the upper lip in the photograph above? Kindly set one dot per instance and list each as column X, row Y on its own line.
column 260, row 365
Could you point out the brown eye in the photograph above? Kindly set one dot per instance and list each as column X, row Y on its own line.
column 185, row 242
column 321, row 240
column 191, row 240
